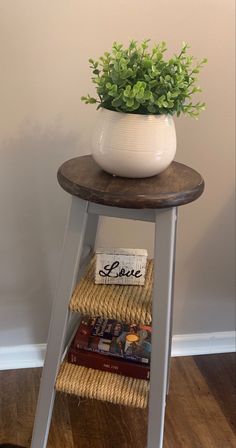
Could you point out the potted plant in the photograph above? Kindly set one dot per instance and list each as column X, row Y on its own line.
column 138, row 94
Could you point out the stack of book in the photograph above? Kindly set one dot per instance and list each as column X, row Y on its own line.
column 112, row 346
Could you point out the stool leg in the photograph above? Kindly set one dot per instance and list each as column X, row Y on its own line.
column 71, row 256
column 161, row 322
column 88, row 249
column 172, row 309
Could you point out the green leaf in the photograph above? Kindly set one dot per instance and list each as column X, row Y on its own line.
column 127, row 91
column 130, row 102
column 116, row 102
column 160, row 101
column 151, row 108
column 138, row 79
column 140, row 94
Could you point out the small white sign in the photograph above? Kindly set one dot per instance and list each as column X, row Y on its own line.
column 120, row 266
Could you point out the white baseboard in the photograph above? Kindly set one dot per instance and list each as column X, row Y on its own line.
column 22, row 356
column 32, row 355
column 203, row 343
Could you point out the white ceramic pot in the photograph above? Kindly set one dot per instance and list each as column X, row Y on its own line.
column 133, row 145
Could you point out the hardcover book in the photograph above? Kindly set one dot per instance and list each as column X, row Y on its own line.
column 111, row 337
column 106, row 363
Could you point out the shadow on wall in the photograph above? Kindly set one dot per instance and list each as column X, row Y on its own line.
column 33, row 213
column 213, row 278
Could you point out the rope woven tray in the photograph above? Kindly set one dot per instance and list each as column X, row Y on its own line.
column 127, row 303
column 104, row 386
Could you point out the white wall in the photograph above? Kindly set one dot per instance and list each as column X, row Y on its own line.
column 44, row 47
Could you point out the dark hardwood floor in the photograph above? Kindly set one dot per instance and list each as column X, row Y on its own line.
column 200, row 410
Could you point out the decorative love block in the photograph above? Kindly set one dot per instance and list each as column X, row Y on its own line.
column 120, row 266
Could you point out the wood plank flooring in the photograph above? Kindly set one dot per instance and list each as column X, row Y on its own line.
column 200, row 410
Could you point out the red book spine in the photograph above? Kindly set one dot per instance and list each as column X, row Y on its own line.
column 105, row 363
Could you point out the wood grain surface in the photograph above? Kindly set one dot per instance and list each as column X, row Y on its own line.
column 200, row 410
column 177, row 185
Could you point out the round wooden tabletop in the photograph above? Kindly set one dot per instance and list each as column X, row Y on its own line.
column 175, row 186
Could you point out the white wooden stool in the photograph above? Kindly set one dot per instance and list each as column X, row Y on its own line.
column 96, row 193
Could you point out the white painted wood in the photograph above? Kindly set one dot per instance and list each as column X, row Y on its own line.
column 172, row 307
column 120, row 266
column 119, row 212
column 162, row 304
column 204, row 343
column 32, row 355
column 122, row 251
column 73, row 245
column 22, row 356
column 88, row 251
column 161, row 322
column 72, row 325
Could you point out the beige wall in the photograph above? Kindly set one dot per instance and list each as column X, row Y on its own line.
column 44, row 47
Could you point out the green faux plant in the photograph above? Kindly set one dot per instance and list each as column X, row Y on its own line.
column 139, row 80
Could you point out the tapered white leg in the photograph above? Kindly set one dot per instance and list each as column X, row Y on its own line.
column 72, row 250
column 172, row 310
column 88, row 251
column 161, row 322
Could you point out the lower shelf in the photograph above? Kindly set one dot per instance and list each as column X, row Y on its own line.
column 104, row 386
